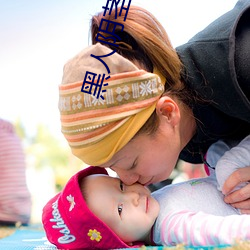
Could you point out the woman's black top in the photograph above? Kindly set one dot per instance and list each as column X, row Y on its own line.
column 217, row 67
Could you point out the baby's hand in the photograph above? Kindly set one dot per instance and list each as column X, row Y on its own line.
column 240, row 198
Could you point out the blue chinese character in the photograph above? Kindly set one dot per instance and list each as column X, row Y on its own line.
column 99, row 58
column 104, row 27
column 89, row 82
column 116, row 4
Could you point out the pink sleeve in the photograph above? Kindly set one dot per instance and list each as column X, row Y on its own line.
column 201, row 229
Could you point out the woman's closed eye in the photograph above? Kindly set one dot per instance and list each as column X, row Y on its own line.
column 121, row 186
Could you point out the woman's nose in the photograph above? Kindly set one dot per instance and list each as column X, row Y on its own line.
column 126, row 177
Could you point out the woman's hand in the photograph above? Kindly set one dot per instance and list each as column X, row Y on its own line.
column 241, row 197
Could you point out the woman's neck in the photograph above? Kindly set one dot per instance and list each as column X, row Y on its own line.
column 187, row 125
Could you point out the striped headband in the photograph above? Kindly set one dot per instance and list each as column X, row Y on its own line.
column 97, row 128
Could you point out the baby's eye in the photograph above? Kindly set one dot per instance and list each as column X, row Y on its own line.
column 120, row 206
column 121, row 186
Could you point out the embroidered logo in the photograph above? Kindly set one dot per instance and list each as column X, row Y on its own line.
column 71, row 201
column 60, row 224
column 94, row 235
column 195, row 183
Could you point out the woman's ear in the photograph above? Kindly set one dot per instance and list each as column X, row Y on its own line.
column 168, row 110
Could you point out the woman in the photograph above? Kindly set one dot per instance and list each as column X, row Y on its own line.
column 206, row 97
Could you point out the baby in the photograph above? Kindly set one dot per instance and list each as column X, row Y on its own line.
column 96, row 211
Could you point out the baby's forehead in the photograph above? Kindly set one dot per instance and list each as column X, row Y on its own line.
column 98, row 177
column 91, row 183
column 95, row 176
column 99, row 183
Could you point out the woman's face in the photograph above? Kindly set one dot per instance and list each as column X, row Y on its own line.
column 148, row 159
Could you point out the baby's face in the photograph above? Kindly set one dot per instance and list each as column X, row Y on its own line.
column 130, row 211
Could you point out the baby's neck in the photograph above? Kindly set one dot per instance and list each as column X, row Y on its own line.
column 148, row 239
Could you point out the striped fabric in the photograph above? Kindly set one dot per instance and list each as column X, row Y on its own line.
column 202, row 229
column 96, row 128
column 86, row 119
column 15, row 200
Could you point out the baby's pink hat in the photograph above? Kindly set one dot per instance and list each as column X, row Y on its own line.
column 69, row 223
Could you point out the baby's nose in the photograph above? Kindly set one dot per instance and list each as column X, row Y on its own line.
column 133, row 197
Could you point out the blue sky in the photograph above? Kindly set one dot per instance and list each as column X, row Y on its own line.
column 38, row 37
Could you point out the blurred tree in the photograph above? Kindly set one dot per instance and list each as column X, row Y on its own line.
column 45, row 150
column 20, row 130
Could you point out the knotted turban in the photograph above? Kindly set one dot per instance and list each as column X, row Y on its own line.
column 97, row 128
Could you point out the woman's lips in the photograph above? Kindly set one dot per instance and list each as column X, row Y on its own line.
column 148, row 183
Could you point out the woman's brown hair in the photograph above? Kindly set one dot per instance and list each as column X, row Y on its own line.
column 145, row 41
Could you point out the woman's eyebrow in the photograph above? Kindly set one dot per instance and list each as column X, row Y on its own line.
column 115, row 163
column 134, row 164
